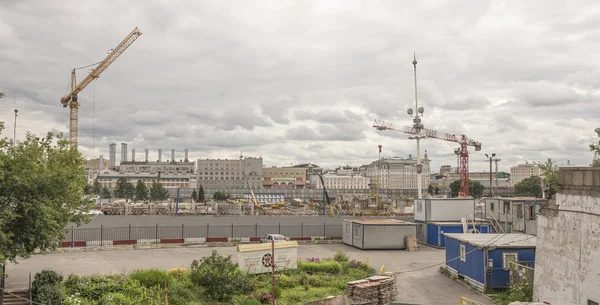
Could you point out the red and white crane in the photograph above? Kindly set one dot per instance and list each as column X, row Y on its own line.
column 463, row 140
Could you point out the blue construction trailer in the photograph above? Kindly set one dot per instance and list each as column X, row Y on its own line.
column 436, row 230
column 483, row 260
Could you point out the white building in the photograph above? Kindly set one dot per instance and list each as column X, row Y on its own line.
column 567, row 263
column 335, row 182
column 168, row 180
column 523, row 171
column 398, row 173
column 155, row 167
column 224, row 174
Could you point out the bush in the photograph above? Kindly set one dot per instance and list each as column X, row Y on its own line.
column 152, row 278
column 331, row 267
column 220, row 276
column 46, row 287
column 180, row 295
column 111, row 289
column 246, row 301
column 341, row 257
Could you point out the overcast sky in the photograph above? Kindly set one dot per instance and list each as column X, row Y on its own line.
column 303, row 81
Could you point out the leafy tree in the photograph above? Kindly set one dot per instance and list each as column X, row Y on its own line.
column 596, row 150
column 530, row 187
column 88, row 190
column 124, row 189
column 42, row 185
column 221, row 277
column 1, row 95
column 158, row 192
column 141, row 191
column 550, row 174
column 105, row 192
column 437, row 190
column 194, row 196
column 430, row 189
column 475, row 188
column 46, row 288
column 201, row 194
column 220, row 195
column 97, row 187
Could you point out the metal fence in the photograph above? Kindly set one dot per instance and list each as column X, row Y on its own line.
column 208, row 231
column 520, row 273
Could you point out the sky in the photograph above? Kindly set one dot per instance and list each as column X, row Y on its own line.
column 303, row 81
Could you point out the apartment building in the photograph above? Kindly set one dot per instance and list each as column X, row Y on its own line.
column 336, row 182
column 398, row 173
column 523, row 171
column 284, row 178
column 227, row 174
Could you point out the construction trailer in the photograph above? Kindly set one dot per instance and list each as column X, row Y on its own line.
column 432, row 233
column 515, row 214
column 484, row 260
column 443, row 209
column 380, row 234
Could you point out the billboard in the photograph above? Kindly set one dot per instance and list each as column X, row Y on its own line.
column 258, row 258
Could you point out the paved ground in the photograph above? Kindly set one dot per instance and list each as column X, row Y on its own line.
column 426, row 286
column 124, row 221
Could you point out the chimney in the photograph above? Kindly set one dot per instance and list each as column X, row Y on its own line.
column 172, row 155
column 101, row 163
column 159, row 155
column 133, row 154
column 146, row 154
column 186, row 155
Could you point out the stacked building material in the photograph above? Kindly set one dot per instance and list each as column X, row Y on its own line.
column 411, row 243
column 350, row 287
column 379, row 290
column 366, row 293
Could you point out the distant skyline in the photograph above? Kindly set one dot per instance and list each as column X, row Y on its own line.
column 303, row 81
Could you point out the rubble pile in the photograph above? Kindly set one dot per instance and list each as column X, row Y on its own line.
column 377, row 290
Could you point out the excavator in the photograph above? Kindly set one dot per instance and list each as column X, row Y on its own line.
column 325, row 197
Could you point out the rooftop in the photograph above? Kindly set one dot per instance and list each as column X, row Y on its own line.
column 496, row 240
column 380, row 221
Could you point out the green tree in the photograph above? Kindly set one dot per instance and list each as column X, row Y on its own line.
column 430, row 189
column 105, row 192
column 550, row 174
column 1, row 95
column 201, row 194
column 596, row 150
column 437, row 190
column 220, row 276
column 42, row 184
column 124, row 189
column 194, row 196
column 97, row 187
column 220, row 195
column 158, row 192
column 530, row 187
column 141, row 191
column 475, row 188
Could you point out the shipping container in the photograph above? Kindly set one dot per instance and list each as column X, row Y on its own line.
column 377, row 233
column 483, row 260
column 443, row 209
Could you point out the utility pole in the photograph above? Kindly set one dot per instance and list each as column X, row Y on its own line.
column 491, row 186
column 496, row 160
column 15, row 131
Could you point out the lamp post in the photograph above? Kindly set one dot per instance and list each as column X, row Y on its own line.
column 491, row 187
column 418, row 126
column 15, row 130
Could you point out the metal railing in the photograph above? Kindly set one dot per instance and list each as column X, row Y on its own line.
column 157, row 232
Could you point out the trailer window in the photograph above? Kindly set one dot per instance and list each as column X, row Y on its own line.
column 531, row 212
column 508, row 257
column 419, row 206
column 463, row 253
column 357, row 230
column 492, row 206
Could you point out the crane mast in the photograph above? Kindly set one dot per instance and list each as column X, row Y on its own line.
column 70, row 99
column 463, row 140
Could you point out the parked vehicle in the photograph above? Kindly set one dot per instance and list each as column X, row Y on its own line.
column 274, row 237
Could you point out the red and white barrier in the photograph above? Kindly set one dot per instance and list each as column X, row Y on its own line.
column 194, row 240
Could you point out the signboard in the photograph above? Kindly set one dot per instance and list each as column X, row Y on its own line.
column 258, row 258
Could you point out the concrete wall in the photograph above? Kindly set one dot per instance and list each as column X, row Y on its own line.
column 568, row 242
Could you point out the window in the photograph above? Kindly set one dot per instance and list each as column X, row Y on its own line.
column 519, row 210
column 420, row 206
column 463, row 253
column 531, row 212
column 508, row 257
column 492, row 206
column 357, row 230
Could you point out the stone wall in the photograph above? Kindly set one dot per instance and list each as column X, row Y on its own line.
column 567, row 267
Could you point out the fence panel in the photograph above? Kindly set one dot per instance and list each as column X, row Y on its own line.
column 86, row 234
column 171, row 232
column 194, row 231
column 314, row 230
column 219, row 231
column 291, row 231
column 143, row 233
column 263, row 230
column 333, row 230
column 244, row 231
column 116, row 233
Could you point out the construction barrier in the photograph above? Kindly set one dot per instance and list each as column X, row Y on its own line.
column 467, row 301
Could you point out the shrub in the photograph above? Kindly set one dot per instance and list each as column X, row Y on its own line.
column 331, row 267
column 246, row 301
column 341, row 257
column 46, row 287
column 220, row 276
column 111, row 289
column 180, row 295
column 152, row 278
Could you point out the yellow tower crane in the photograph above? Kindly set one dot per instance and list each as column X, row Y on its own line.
column 70, row 99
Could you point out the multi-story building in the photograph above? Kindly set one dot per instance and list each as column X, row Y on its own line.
column 112, row 154
column 123, row 152
column 155, row 167
column 347, row 171
column 223, row 174
column 523, row 171
column 284, row 178
column 168, row 180
column 98, row 164
column 445, row 169
column 398, row 173
column 478, row 176
column 335, row 182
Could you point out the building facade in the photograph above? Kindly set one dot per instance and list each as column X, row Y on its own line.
column 398, row 173
column 284, row 178
column 168, row 180
column 98, row 164
column 335, row 182
column 567, row 266
column 224, row 174
column 155, row 167
column 123, row 152
column 523, row 171
column 445, row 169
column 112, row 154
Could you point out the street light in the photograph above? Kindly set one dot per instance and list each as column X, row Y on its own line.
column 491, row 187
column 15, row 130
column 418, row 126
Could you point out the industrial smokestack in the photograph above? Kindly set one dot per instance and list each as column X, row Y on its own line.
column 147, row 154
column 172, row 155
column 186, row 155
column 159, row 155
column 133, row 154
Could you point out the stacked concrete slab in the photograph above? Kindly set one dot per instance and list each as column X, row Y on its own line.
column 378, row 290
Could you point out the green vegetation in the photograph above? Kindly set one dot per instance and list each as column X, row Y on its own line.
column 201, row 193
column 518, row 293
column 141, row 191
column 124, row 189
column 158, row 192
column 42, row 184
column 220, row 195
column 529, row 187
column 194, row 196
column 548, row 170
column 215, row 279
column 596, row 149
column 475, row 188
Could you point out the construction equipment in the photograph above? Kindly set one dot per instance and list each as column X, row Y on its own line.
column 70, row 99
column 463, row 140
column 325, row 196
